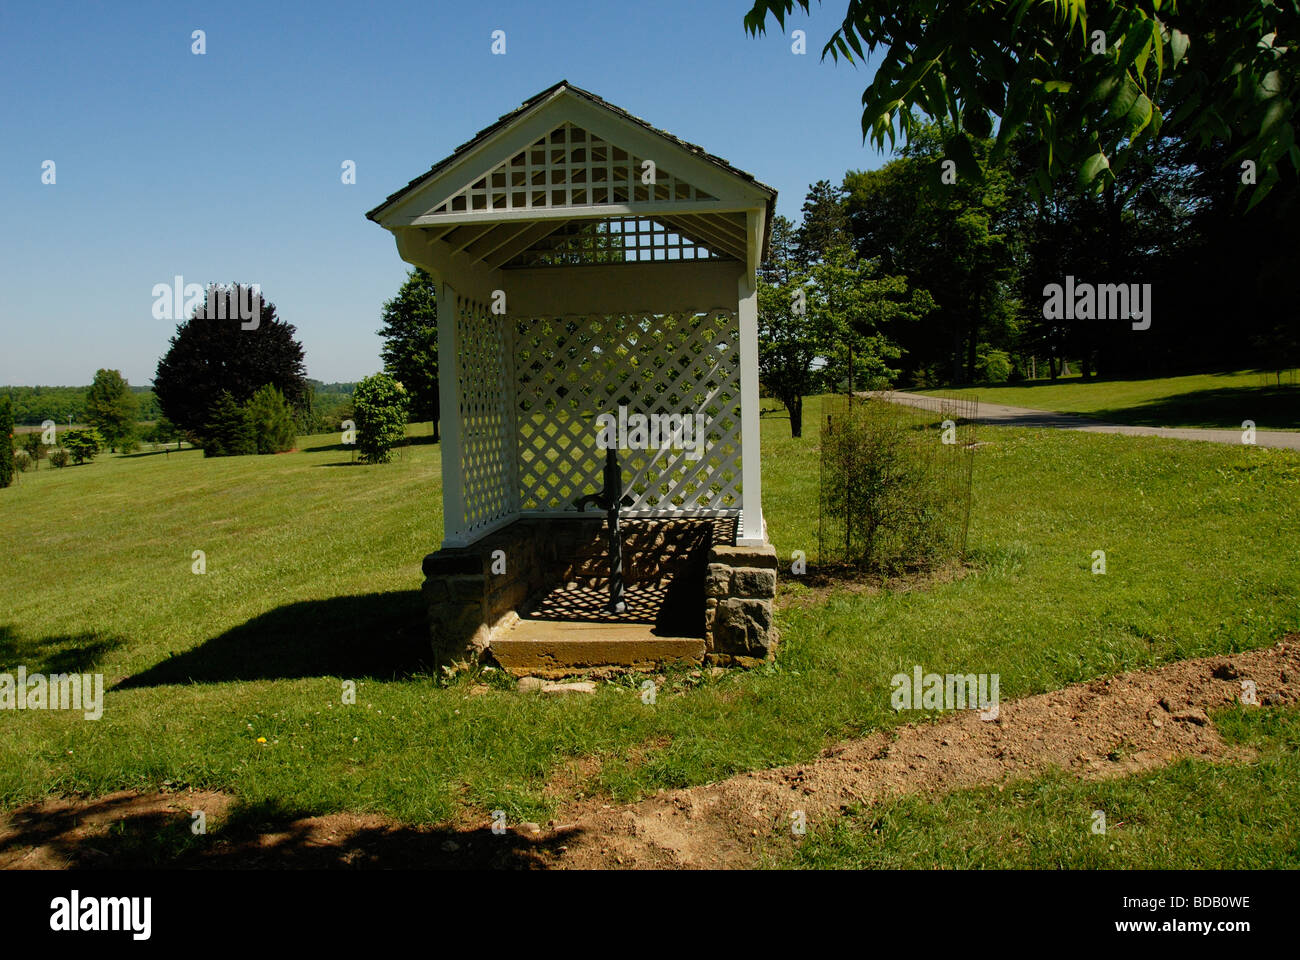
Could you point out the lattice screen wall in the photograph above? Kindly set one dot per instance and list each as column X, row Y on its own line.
column 568, row 167
column 570, row 370
column 483, row 371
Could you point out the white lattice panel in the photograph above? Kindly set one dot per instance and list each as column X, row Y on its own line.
column 568, row 167
column 482, row 370
column 614, row 240
column 570, row 370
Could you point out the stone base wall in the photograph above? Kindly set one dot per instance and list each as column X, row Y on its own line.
column 740, row 588
column 468, row 594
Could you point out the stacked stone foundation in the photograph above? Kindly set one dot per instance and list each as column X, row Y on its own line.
column 714, row 589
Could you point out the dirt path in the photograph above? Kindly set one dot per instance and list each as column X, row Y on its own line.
column 1105, row 728
column 1006, row 416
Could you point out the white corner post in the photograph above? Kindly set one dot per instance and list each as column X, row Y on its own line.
column 752, row 531
column 453, row 494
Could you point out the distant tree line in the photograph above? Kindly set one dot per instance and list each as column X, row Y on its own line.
column 1223, row 290
column 1145, row 148
column 32, row 406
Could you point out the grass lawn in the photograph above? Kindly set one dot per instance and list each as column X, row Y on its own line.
column 1202, row 400
column 1187, row 816
column 313, row 573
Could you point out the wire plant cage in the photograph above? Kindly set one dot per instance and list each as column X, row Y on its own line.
column 895, row 482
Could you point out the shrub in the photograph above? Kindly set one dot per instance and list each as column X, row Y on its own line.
column 32, row 445
column 163, row 432
column 59, row 457
column 381, row 405
column 272, row 421
column 228, row 432
column 83, row 444
column 994, row 366
column 22, row 460
column 893, row 496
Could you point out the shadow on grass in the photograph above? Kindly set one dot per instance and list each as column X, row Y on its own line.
column 1276, row 408
column 158, row 453
column 127, row 831
column 77, row 653
column 376, row 636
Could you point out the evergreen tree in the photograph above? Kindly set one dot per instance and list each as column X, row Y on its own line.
column 83, row 444
column 6, row 442
column 271, row 420
column 825, row 223
column 410, row 350
column 210, row 355
column 111, row 407
column 228, row 432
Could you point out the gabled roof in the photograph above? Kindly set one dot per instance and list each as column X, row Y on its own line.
column 698, row 225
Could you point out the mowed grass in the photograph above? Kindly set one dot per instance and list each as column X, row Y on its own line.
column 1201, row 400
column 313, row 572
column 1190, row 815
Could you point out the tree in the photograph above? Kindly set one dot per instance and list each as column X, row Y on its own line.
column 837, row 313
column 410, row 350
column 31, row 444
column 228, row 431
column 83, row 445
column 271, row 421
column 857, row 313
column 1090, row 87
column 381, row 404
column 825, row 222
column 210, row 355
column 788, row 344
column 956, row 238
column 6, row 442
column 111, row 407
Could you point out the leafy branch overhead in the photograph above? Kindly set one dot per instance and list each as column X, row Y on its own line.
column 1089, row 83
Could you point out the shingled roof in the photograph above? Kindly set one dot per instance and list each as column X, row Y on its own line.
column 543, row 97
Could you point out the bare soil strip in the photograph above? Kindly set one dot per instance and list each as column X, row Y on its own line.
column 1105, row 728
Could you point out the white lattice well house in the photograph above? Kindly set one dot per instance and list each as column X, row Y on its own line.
column 593, row 270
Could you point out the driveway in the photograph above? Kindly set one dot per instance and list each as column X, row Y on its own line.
column 1005, row 416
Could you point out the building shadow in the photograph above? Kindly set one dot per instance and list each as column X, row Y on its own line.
column 373, row 636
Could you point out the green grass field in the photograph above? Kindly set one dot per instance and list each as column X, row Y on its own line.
column 313, row 573
column 1202, row 400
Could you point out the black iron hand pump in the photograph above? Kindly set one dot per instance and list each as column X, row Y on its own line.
column 610, row 499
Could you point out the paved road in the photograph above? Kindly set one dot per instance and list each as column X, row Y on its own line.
column 1004, row 416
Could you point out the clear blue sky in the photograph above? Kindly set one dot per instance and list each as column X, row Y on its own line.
column 226, row 166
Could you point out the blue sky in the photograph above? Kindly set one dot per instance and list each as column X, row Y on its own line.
column 227, row 166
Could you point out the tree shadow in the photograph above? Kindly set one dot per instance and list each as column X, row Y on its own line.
column 157, row 453
column 130, row 831
column 72, row 653
column 1271, row 407
column 375, row 636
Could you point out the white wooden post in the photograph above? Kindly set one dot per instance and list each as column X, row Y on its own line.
column 752, row 531
column 453, row 494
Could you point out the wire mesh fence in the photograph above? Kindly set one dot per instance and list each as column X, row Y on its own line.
column 895, row 481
